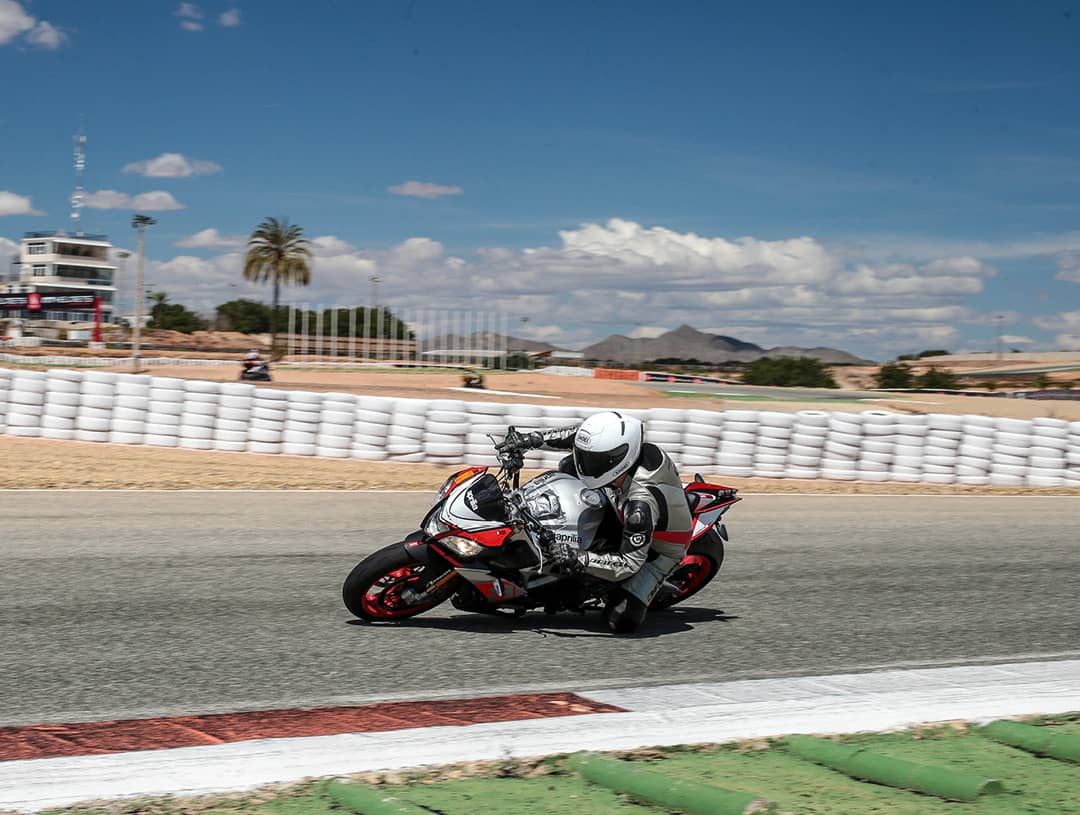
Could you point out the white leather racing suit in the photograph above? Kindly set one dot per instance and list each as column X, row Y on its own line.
column 656, row 519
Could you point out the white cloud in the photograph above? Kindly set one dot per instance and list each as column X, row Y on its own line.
column 424, row 189
column 172, row 165
column 12, row 204
column 15, row 22
column 600, row 279
column 1068, row 267
column 328, row 245
column 1017, row 339
column 190, row 16
column 212, row 239
column 46, row 35
column 1066, row 323
column 230, row 18
column 155, row 201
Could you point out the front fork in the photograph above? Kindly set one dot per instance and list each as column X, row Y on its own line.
column 418, row 549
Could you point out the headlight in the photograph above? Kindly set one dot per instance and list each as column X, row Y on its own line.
column 461, row 546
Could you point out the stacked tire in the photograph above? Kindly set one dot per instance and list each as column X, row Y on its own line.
column 199, row 414
column 907, row 463
column 878, row 445
column 808, row 436
column 1010, row 453
column 302, row 420
column 233, row 421
column 269, row 411
column 1072, row 457
column 5, row 389
column 773, row 440
column 843, row 446
column 445, row 430
column 97, row 397
column 337, row 425
column 405, row 441
column 975, row 454
column 131, row 404
column 1049, row 445
column 665, row 427
column 943, row 436
column 485, row 419
column 61, row 410
column 165, row 404
column 701, row 438
column 735, row 456
column 26, row 401
column 371, row 426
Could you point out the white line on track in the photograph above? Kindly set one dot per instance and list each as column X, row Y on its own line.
column 673, row 714
column 506, row 393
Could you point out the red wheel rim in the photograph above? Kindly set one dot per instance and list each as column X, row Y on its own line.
column 694, row 572
column 382, row 598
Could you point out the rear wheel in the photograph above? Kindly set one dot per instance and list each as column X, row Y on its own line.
column 378, row 587
column 696, row 570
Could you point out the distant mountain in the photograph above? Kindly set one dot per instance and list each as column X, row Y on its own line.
column 686, row 342
column 489, row 339
column 830, row 356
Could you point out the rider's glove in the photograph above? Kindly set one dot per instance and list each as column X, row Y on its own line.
column 526, row 441
column 564, row 558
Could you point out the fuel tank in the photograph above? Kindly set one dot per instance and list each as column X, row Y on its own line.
column 563, row 504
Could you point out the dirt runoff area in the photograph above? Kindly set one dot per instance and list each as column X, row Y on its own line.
column 47, row 464
column 531, row 387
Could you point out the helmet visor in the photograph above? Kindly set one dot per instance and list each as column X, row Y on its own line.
column 594, row 464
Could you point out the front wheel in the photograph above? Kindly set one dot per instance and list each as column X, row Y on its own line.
column 694, row 572
column 375, row 588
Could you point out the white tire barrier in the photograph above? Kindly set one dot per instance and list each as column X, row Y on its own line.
column 873, row 445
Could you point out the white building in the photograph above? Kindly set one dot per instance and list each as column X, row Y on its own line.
column 58, row 277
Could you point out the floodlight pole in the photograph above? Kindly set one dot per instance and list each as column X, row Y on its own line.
column 140, row 222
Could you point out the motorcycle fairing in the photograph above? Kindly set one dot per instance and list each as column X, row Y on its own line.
column 708, row 503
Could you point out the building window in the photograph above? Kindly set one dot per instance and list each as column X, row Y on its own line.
column 37, row 249
column 86, row 274
column 39, row 270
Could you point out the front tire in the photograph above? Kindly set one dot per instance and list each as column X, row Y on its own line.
column 373, row 589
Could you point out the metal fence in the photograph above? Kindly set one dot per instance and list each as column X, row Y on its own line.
column 378, row 334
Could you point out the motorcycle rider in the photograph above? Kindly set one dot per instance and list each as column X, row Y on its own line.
column 643, row 486
column 251, row 359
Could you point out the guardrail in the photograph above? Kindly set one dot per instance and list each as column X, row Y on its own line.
column 874, row 445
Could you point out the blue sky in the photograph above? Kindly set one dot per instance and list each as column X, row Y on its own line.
column 879, row 177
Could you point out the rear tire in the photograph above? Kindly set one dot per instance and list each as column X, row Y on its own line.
column 697, row 570
column 372, row 591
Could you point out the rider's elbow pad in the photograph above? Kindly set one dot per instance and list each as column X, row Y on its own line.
column 638, row 518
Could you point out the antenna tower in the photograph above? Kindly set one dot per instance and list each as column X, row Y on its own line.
column 79, row 195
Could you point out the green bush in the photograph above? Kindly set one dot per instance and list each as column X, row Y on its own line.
column 172, row 316
column 801, row 372
column 895, row 375
column 935, row 379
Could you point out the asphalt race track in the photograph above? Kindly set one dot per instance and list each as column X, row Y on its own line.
column 134, row 604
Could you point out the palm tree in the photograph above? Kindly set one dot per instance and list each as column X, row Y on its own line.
column 278, row 252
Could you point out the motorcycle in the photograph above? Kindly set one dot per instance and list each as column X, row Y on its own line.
column 256, row 371
column 484, row 543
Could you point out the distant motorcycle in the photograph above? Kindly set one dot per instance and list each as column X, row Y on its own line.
column 484, row 542
column 255, row 371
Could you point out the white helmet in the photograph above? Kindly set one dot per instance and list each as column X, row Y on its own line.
column 606, row 445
